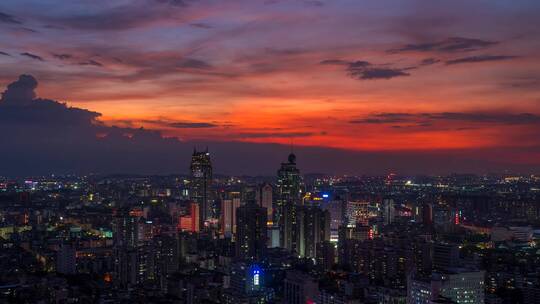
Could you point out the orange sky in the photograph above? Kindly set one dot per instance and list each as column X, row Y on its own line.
column 355, row 75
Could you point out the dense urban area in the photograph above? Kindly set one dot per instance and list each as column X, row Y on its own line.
column 290, row 238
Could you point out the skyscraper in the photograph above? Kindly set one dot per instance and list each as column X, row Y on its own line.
column 228, row 214
column 264, row 198
column 251, row 232
column 288, row 198
column 201, row 184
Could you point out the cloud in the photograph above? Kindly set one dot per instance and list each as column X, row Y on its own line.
column 365, row 70
column 181, row 124
column 6, row 18
column 201, row 25
column 133, row 14
column 32, row 56
column 430, row 61
column 190, row 63
column 276, row 135
column 63, row 56
column 378, row 73
column 4, row 54
column 92, row 63
column 335, row 62
column 315, row 3
column 450, row 45
column 480, row 58
column 20, row 92
column 427, row 119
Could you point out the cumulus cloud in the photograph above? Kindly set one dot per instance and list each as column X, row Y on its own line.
column 41, row 136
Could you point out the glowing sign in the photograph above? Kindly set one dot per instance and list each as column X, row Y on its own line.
column 256, row 274
column 325, row 195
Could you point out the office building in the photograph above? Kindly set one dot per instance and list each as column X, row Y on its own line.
column 201, row 184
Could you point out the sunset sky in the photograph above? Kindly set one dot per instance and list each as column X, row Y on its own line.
column 458, row 77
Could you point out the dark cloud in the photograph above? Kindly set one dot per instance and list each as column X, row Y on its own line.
column 6, row 18
column 173, row 2
column 453, row 44
column 479, row 58
column 63, row 56
column 128, row 16
column 385, row 118
column 20, row 92
column 182, row 124
column 4, row 54
column 335, row 62
column 192, row 125
column 276, row 135
column 427, row 119
column 430, row 61
column 92, row 63
column 41, row 137
column 365, row 70
column 194, row 64
column 316, row 3
column 205, row 26
column 32, row 56
column 378, row 73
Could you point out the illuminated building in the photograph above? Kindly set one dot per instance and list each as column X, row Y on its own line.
column 251, row 232
column 459, row 285
column 313, row 226
column 264, row 199
column 228, row 215
column 288, row 198
column 247, row 285
column 201, row 184
column 388, row 211
column 191, row 222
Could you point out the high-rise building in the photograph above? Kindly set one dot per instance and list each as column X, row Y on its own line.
column 66, row 259
column 247, row 286
column 228, row 214
column 459, row 285
column 288, row 198
column 125, row 230
column 201, row 184
column 191, row 222
column 300, row 288
column 445, row 256
column 388, row 211
column 313, row 227
column 427, row 214
column 264, row 199
column 251, row 232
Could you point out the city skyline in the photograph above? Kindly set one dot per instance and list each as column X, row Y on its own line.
column 371, row 88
